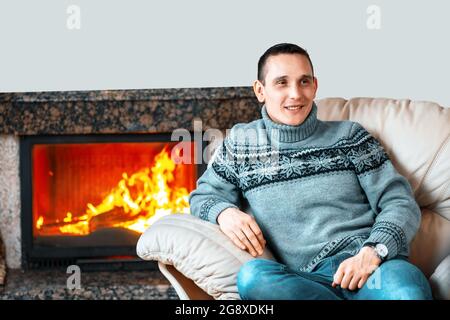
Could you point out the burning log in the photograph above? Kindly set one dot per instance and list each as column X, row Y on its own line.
column 134, row 203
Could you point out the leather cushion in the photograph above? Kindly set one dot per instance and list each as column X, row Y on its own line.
column 199, row 250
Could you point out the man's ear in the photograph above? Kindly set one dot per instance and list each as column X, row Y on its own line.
column 316, row 85
column 258, row 88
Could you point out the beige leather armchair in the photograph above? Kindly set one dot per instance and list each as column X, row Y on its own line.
column 416, row 135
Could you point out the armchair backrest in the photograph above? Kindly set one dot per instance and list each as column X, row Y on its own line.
column 416, row 136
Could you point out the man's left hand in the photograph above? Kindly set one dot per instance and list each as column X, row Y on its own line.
column 354, row 272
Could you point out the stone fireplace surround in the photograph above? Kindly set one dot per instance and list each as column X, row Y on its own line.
column 103, row 112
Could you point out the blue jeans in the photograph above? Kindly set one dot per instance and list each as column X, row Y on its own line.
column 395, row 279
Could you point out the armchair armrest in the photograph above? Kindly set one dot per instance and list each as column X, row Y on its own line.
column 199, row 251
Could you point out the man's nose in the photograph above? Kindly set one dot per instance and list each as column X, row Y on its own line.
column 295, row 92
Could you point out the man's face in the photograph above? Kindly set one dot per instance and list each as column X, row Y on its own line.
column 289, row 88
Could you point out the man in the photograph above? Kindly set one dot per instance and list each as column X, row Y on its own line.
column 331, row 206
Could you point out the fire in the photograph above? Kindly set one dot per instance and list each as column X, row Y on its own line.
column 39, row 222
column 135, row 203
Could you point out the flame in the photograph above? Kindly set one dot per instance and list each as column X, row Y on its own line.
column 135, row 203
column 39, row 222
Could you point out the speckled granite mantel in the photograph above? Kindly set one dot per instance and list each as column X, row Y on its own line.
column 125, row 111
column 102, row 112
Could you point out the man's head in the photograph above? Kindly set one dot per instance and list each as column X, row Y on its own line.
column 286, row 83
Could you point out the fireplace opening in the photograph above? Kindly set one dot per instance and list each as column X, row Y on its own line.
column 87, row 199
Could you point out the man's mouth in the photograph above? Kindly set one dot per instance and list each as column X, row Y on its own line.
column 296, row 107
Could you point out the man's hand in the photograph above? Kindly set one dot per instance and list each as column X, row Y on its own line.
column 242, row 229
column 354, row 272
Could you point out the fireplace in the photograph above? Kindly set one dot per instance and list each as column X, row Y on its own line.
column 86, row 199
column 80, row 118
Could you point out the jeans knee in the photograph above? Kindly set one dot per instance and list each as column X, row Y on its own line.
column 403, row 281
column 250, row 276
column 411, row 293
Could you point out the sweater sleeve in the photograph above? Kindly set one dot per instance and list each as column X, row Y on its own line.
column 217, row 189
column 389, row 194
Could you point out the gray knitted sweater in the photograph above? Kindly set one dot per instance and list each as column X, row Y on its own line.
column 315, row 190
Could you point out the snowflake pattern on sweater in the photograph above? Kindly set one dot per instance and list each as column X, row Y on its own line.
column 360, row 153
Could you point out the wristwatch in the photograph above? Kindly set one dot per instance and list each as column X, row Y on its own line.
column 380, row 249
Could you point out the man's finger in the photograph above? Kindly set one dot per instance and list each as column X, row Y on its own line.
column 257, row 231
column 362, row 282
column 253, row 239
column 337, row 279
column 235, row 240
column 354, row 282
column 246, row 242
column 346, row 280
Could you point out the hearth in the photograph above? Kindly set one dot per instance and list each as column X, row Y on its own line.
column 86, row 117
column 86, row 199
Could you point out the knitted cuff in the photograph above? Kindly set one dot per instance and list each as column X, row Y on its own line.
column 388, row 234
column 211, row 209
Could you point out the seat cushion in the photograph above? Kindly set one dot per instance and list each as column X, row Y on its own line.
column 197, row 249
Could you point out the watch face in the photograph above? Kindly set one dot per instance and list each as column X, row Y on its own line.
column 382, row 250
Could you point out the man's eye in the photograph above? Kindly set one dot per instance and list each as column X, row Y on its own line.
column 281, row 82
column 305, row 82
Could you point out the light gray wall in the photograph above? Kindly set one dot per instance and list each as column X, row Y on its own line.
column 210, row 43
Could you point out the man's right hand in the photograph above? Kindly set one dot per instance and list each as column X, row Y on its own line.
column 243, row 230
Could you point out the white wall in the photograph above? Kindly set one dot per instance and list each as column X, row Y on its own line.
column 210, row 43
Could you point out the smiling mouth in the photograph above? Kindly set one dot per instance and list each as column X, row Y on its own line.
column 297, row 107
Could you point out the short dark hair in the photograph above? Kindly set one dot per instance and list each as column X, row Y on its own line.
column 286, row 48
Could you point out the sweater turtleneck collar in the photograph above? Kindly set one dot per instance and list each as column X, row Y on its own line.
column 288, row 133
